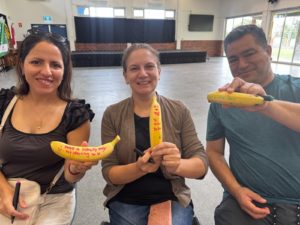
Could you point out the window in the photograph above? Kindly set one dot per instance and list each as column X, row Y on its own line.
column 285, row 37
column 232, row 23
column 154, row 13
column 83, row 11
column 138, row 13
column 119, row 12
column 170, row 14
column 100, row 11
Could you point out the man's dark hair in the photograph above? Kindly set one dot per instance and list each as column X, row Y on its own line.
column 243, row 30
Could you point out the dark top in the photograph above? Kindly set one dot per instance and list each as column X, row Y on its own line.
column 28, row 155
column 151, row 188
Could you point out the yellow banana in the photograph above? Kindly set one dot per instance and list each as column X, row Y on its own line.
column 155, row 123
column 237, row 99
column 84, row 153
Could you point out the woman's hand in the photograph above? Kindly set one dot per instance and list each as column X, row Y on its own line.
column 75, row 170
column 78, row 167
column 6, row 206
column 145, row 166
column 169, row 154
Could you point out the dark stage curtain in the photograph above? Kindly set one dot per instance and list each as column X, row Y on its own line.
column 122, row 30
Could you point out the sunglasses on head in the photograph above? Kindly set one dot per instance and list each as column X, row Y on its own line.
column 42, row 33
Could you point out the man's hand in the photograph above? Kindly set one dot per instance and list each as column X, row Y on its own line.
column 246, row 199
column 242, row 86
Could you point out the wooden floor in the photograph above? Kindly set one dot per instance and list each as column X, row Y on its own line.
column 187, row 82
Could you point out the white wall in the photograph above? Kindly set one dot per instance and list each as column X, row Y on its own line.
column 3, row 8
column 29, row 12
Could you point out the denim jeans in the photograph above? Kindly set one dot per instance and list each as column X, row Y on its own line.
column 128, row 214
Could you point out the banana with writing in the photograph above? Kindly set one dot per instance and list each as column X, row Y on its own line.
column 237, row 99
column 155, row 123
column 84, row 153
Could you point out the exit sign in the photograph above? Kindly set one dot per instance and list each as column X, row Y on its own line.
column 47, row 19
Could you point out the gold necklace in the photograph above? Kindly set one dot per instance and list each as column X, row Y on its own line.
column 41, row 115
column 41, row 118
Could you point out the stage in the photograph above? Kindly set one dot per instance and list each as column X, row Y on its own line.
column 98, row 59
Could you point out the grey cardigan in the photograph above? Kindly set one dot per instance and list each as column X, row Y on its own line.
column 178, row 128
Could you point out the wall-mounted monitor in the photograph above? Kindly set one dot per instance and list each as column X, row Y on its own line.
column 199, row 22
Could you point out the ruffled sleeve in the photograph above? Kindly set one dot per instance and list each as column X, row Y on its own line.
column 5, row 97
column 77, row 113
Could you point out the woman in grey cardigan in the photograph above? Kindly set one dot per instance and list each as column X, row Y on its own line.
column 134, row 183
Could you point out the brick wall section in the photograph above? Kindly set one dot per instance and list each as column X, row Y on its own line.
column 213, row 48
column 164, row 46
column 87, row 47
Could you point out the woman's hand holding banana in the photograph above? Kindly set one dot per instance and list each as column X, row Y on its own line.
column 145, row 166
column 163, row 153
column 78, row 167
column 169, row 154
